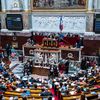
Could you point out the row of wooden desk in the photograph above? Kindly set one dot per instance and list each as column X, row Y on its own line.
column 61, row 52
column 42, row 71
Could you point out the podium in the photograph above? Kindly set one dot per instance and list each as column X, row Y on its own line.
column 46, row 54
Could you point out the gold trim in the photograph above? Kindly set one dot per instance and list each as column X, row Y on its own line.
column 62, row 10
column 17, row 12
column 87, row 5
column 90, row 12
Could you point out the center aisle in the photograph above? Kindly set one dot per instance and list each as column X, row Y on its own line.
column 52, row 91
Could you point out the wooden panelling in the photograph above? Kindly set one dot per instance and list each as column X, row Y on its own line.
column 10, row 39
column 91, row 47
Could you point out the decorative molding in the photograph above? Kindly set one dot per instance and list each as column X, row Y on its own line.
column 14, row 38
column 14, row 5
column 89, row 23
column 23, row 31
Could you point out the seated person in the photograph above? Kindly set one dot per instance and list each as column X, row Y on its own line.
column 5, row 74
column 25, row 93
column 1, row 68
column 11, row 98
column 78, row 89
column 45, row 92
column 85, row 89
column 64, row 89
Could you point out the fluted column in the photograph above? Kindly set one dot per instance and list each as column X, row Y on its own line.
column 96, row 4
column 90, row 5
column 26, row 5
column 3, row 3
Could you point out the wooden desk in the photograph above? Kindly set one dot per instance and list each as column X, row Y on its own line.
column 40, row 71
column 71, row 98
column 64, row 52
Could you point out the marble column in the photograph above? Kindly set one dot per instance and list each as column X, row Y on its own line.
column 25, row 22
column 26, row 5
column 90, row 5
column 98, row 4
column 95, row 4
column 3, row 3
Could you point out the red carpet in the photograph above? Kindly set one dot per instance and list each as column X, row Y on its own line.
column 52, row 91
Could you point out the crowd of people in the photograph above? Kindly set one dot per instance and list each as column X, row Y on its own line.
column 59, row 80
column 9, row 82
column 67, row 85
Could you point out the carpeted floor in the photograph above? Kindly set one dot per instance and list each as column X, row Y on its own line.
column 17, row 69
column 55, row 97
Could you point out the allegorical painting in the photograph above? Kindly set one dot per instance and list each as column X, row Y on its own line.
column 59, row 4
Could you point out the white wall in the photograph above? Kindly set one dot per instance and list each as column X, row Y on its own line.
column 51, row 23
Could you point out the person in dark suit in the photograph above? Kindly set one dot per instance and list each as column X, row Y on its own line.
column 27, row 68
column 8, row 50
column 30, row 65
column 55, row 71
column 45, row 92
column 51, row 71
column 84, row 64
column 66, row 67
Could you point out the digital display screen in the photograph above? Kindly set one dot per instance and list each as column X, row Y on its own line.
column 14, row 22
column 97, row 23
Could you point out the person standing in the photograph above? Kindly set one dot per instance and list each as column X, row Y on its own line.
column 8, row 50
column 66, row 67
column 51, row 71
column 30, row 66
